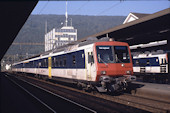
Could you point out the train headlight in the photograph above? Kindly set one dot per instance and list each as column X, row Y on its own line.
column 103, row 72
column 128, row 72
column 122, row 65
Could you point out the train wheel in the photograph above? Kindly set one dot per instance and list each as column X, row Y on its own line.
column 88, row 89
column 111, row 89
column 79, row 86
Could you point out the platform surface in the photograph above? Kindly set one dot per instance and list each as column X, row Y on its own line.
column 165, row 87
column 152, row 90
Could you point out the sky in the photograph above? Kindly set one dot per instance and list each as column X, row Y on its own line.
column 100, row 8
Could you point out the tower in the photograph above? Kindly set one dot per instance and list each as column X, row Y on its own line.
column 66, row 21
column 59, row 37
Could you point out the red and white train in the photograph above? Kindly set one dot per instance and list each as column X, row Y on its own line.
column 104, row 65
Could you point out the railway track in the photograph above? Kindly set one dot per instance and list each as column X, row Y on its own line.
column 131, row 102
column 53, row 103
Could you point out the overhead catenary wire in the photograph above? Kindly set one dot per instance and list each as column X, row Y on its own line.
column 114, row 5
column 43, row 7
column 80, row 7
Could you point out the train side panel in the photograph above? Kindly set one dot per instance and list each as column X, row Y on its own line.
column 150, row 64
column 76, row 65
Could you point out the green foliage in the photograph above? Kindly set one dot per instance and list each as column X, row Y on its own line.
column 34, row 29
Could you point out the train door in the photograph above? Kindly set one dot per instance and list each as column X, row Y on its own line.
column 74, row 65
column 38, row 67
column 163, row 65
column 49, row 67
column 90, row 65
column 142, row 64
column 148, row 66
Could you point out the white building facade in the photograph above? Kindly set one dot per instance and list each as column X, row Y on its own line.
column 60, row 37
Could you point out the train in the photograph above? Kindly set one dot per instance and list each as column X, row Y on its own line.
column 152, row 66
column 92, row 64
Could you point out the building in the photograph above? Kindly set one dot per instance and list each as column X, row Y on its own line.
column 134, row 16
column 59, row 37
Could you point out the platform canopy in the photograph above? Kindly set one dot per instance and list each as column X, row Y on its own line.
column 13, row 16
column 153, row 27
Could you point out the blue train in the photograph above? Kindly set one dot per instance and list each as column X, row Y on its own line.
column 151, row 66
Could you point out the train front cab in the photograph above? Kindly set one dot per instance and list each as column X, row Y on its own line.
column 113, row 65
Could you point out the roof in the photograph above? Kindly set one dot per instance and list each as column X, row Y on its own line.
column 140, row 15
column 141, row 30
column 13, row 17
column 134, row 16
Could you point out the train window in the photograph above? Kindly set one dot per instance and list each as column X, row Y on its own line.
column 60, row 62
column 147, row 62
column 45, row 62
column 74, row 60
column 104, row 54
column 64, row 61
column 56, row 62
column 156, row 60
column 161, row 61
column 137, row 62
column 42, row 64
column 32, row 63
column 121, row 54
column 82, row 55
column 90, row 57
column 165, row 61
column 110, row 54
column 39, row 64
column 53, row 62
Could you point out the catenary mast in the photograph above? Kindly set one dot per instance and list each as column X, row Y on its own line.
column 66, row 15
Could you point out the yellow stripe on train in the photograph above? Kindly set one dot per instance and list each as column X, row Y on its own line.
column 49, row 67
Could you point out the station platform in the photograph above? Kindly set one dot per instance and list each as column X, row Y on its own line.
column 151, row 90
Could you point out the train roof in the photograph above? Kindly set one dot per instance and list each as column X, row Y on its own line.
column 78, row 43
column 88, row 41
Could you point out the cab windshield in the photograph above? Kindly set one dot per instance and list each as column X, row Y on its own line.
column 112, row 54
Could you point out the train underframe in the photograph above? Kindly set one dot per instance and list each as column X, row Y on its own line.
column 105, row 83
column 114, row 84
column 153, row 77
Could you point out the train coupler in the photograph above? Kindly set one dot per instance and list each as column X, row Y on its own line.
column 130, row 78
